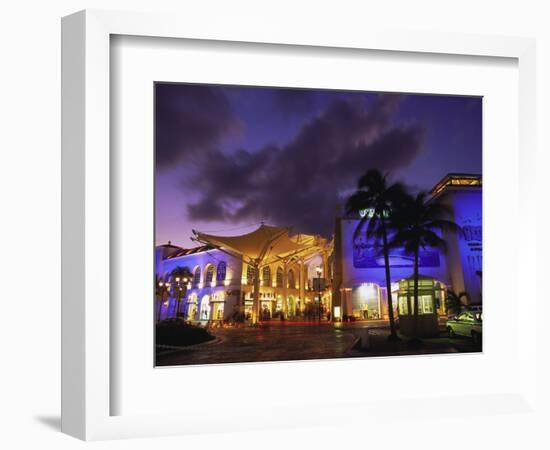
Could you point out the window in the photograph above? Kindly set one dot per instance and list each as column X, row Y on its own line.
column 280, row 277
column 209, row 275
column 266, row 276
column 197, row 277
column 291, row 279
column 403, row 306
column 250, row 274
column 425, row 304
column 220, row 273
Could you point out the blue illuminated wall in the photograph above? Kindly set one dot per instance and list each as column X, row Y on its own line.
column 362, row 262
column 466, row 249
column 166, row 260
column 460, row 268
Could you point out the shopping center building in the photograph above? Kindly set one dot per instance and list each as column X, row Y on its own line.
column 346, row 273
column 359, row 283
column 222, row 278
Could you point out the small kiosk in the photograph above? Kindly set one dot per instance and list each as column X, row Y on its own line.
column 430, row 297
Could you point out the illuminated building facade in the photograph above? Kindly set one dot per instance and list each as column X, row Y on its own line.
column 359, row 284
column 222, row 278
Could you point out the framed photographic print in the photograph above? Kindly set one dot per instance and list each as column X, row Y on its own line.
column 315, row 244
column 291, row 228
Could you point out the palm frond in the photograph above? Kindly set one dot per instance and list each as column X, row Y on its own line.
column 433, row 240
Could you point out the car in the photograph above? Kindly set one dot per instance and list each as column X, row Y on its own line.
column 468, row 324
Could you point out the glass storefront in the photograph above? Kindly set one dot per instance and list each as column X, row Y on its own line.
column 205, row 308
column 217, row 310
column 265, row 308
column 192, row 307
column 291, row 306
column 365, row 300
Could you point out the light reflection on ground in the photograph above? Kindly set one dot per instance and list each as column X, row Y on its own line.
column 272, row 343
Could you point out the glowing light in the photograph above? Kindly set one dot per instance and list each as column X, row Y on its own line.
column 212, row 283
column 363, row 213
column 227, row 282
column 201, row 285
column 337, row 313
column 369, row 213
column 367, row 290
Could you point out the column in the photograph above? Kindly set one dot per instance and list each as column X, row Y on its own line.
column 256, row 295
column 285, row 289
column 302, row 284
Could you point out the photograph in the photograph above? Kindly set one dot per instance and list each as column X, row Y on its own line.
column 298, row 224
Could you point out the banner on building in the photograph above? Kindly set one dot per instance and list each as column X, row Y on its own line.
column 370, row 256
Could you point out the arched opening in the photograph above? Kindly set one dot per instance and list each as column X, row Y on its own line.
column 266, row 276
column 291, row 279
column 205, row 308
column 220, row 273
column 209, row 276
column 279, row 277
column 250, row 274
column 197, row 277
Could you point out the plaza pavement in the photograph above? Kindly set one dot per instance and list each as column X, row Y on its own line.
column 287, row 342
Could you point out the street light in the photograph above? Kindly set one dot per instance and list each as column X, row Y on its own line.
column 319, row 271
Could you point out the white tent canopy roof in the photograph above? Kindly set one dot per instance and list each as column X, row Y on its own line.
column 264, row 245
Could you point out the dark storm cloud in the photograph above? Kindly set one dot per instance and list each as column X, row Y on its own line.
column 190, row 118
column 300, row 184
column 293, row 102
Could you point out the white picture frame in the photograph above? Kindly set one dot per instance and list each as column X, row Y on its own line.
column 86, row 222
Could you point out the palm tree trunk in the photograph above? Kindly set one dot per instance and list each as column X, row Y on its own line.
column 393, row 334
column 415, row 320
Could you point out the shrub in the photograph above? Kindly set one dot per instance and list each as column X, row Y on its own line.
column 178, row 333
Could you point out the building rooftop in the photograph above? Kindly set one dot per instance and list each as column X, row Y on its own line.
column 190, row 251
column 457, row 180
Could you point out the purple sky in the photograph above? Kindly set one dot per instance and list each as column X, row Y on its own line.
column 229, row 157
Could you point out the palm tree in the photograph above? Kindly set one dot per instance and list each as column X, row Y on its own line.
column 416, row 221
column 161, row 291
column 454, row 301
column 179, row 275
column 377, row 197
